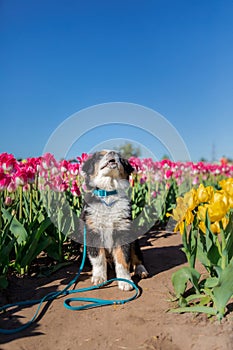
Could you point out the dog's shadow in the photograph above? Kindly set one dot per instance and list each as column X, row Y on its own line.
column 159, row 259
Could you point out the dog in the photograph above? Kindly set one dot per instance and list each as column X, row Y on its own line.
column 107, row 216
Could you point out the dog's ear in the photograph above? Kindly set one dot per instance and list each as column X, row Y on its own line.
column 127, row 166
column 87, row 170
column 88, row 166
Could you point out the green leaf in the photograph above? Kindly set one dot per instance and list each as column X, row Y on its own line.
column 16, row 227
column 211, row 282
column 181, row 277
column 229, row 237
column 224, row 290
column 207, row 249
column 36, row 244
column 197, row 309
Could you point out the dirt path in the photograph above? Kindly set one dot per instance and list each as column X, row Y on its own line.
column 141, row 324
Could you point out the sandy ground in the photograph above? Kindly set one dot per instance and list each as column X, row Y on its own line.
column 144, row 323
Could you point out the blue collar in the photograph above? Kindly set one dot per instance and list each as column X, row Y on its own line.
column 103, row 193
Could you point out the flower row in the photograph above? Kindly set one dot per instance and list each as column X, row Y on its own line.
column 63, row 175
column 201, row 201
column 42, row 171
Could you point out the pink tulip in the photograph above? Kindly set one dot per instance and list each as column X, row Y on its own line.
column 148, row 164
column 143, row 179
column 26, row 188
column 8, row 201
column 4, row 181
column 48, row 161
column 75, row 189
column 166, row 163
column 30, row 176
column 74, row 169
column 83, row 157
column 64, row 166
column 7, row 162
column 168, row 174
column 195, row 180
column 11, row 187
column 20, row 177
column 136, row 163
column 154, row 194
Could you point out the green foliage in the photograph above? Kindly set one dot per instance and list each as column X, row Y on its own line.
column 6, row 248
column 152, row 201
column 127, row 150
column 211, row 292
column 181, row 277
column 23, row 239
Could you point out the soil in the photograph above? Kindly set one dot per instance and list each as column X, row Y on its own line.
column 144, row 323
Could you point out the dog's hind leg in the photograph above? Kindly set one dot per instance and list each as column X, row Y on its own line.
column 137, row 260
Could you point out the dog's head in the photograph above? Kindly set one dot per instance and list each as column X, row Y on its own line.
column 106, row 170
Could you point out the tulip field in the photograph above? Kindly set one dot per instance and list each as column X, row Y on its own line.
column 198, row 197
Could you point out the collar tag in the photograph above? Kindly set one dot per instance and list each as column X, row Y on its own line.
column 104, row 193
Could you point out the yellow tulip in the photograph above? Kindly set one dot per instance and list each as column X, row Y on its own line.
column 215, row 227
column 179, row 211
column 201, row 213
column 230, row 202
column 225, row 222
column 220, row 196
column 227, row 185
column 217, row 210
column 204, row 194
column 179, row 227
column 189, row 217
column 202, row 226
column 190, row 199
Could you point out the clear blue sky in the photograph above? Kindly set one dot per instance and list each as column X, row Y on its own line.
column 60, row 56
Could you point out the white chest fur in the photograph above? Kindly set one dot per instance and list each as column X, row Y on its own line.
column 110, row 214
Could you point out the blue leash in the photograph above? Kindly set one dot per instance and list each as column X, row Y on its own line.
column 90, row 302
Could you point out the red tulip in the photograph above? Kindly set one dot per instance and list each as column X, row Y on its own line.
column 75, row 189
column 4, row 181
column 7, row 162
column 20, row 177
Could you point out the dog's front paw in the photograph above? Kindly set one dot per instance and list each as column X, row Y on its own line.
column 98, row 279
column 124, row 285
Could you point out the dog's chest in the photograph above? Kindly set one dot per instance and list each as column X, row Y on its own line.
column 110, row 213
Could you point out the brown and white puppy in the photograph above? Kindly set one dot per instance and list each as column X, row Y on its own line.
column 107, row 216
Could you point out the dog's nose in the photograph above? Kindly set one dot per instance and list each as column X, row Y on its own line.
column 111, row 153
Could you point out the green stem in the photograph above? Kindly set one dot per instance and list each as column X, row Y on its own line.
column 30, row 207
column 20, row 202
column 149, row 189
column 60, row 241
column 186, row 248
column 36, row 188
column 0, row 210
column 193, row 246
column 223, row 251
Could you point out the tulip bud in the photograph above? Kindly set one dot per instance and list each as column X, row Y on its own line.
column 8, row 201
